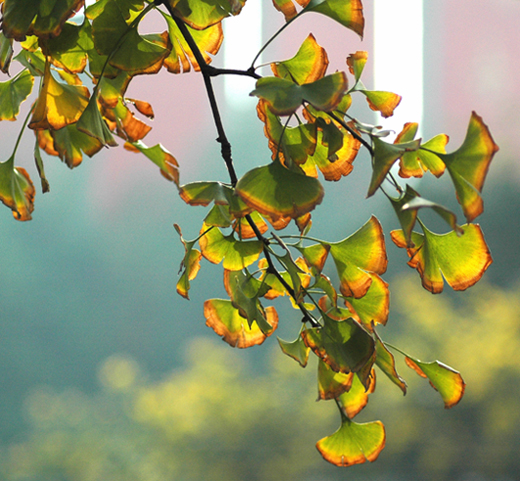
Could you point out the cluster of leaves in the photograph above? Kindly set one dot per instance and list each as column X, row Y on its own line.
column 85, row 58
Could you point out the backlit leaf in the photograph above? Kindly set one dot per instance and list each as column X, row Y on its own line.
column 181, row 57
column 236, row 254
column 58, row 104
column 345, row 346
column 315, row 256
column 92, row 123
column 347, row 12
column 39, row 166
column 386, row 362
column 284, row 97
column 443, row 378
column 469, row 164
column 359, row 255
column 6, row 52
column 461, row 260
column 356, row 63
column 332, row 384
column 356, row 398
column 288, row 8
column 295, row 349
column 16, row 190
column 353, row 443
column 190, row 265
column 244, row 229
column 161, row 157
column 13, row 93
column 384, row 102
column 128, row 126
column 308, row 65
column 201, row 15
column 277, row 192
column 227, row 322
column 70, row 144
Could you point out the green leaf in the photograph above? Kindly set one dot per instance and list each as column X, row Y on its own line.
column 13, row 93
column 353, row 443
column 284, row 97
column 469, row 164
column 70, row 144
column 190, row 265
column 385, row 155
column 386, row 362
column 287, row 7
column 356, row 63
column 92, row 123
column 359, row 255
column 347, row 12
column 443, row 378
column 295, row 349
column 355, row 399
column 227, row 322
column 332, row 384
column 236, row 254
column 277, row 192
column 6, row 52
column 315, row 256
column 345, row 346
column 158, row 154
column 16, row 190
column 384, row 102
column 39, row 166
column 201, row 15
column 461, row 260
column 308, row 65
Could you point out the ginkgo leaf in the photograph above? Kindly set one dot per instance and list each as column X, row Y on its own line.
column 70, row 144
column 469, row 164
column 355, row 399
column 16, row 190
column 308, row 65
column 136, row 53
column 44, row 18
column 295, row 349
column 288, row 8
column 227, row 322
column 128, row 126
column 244, row 229
column 284, row 96
column 315, row 256
column 128, row 8
column 161, row 157
column 332, row 384
column 181, row 57
column 236, row 254
column 347, row 12
column 296, row 276
column 219, row 216
column 356, row 63
column 6, row 52
column 385, row 155
column 201, row 15
column 374, row 306
column 92, row 123
column 460, row 259
column 384, row 102
column 278, row 192
column 190, row 265
column 58, row 104
column 353, row 443
column 443, row 378
column 40, row 168
column 386, row 362
column 359, row 255
column 345, row 346
column 13, row 93
column 414, row 164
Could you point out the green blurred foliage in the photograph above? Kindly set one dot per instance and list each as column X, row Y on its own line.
column 219, row 417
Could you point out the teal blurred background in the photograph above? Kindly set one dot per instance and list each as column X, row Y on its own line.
column 107, row 374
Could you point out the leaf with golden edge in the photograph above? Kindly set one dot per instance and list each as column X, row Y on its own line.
column 469, row 164
column 355, row 399
column 353, row 443
column 461, row 260
column 348, row 13
column 236, row 254
column 142, row 107
column 288, row 8
column 356, row 63
column 384, row 102
column 359, row 255
column 181, row 57
column 308, row 65
column 128, row 126
column 298, row 277
column 332, row 384
column 386, row 362
column 70, row 144
column 227, row 322
column 16, row 190
column 244, row 229
column 160, row 156
column 295, row 349
column 190, row 264
column 315, row 256
column 201, row 15
column 443, row 378
column 58, row 104
column 373, row 308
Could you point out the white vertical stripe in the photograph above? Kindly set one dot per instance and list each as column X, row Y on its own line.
column 242, row 41
column 398, row 57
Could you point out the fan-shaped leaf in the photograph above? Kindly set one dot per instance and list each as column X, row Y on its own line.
column 355, row 399
column 16, row 190
column 92, row 123
column 386, row 362
column 201, row 15
column 190, row 265
column 227, row 322
column 356, row 63
column 469, row 164
column 13, row 93
column 443, row 378
column 295, row 349
column 332, row 384
column 384, row 102
column 347, row 12
column 462, row 260
column 359, row 255
column 160, row 157
column 288, row 8
column 353, row 443
column 278, row 192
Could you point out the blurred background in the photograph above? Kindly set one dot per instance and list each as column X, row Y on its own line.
column 107, row 374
